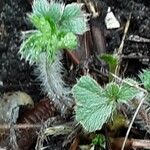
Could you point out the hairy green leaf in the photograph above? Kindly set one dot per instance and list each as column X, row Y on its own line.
column 145, row 79
column 40, row 7
column 112, row 91
column 56, row 26
column 72, row 11
column 41, row 24
column 99, row 140
column 74, row 19
column 93, row 118
column 111, row 60
column 92, row 110
column 56, row 11
column 95, row 105
column 69, row 41
column 119, row 93
column 86, row 89
column 127, row 92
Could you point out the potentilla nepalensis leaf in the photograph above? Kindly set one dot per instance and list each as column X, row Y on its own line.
column 41, row 24
column 95, row 105
column 40, row 7
column 93, row 118
column 145, row 79
column 56, row 11
column 92, row 109
column 111, row 60
column 87, row 89
column 69, row 41
column 56, row 28
column 120, row 93
column 74, row 19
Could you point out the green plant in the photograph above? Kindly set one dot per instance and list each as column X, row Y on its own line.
column 95, row 105
column 143, row 118
column 99, row 140
column 55, row 28
column 112, row 61
column 145, row 79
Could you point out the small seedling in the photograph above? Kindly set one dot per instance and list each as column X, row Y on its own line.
column 56, row 27
column 95, row 104
column 99, row 140
column 112, row 61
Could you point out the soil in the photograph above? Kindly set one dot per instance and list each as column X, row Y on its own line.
column 16, row 74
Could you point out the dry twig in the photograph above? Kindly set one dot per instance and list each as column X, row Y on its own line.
column 130, row 144
column 119, row 52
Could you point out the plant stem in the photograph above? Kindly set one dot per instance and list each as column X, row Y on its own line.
column 119, row 53
column 52, row 84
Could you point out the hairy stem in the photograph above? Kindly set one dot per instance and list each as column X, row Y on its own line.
column 50, row 75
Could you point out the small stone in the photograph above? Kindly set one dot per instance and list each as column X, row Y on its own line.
column 110, row 20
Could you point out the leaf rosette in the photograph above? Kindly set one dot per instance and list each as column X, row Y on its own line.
column 56, row 26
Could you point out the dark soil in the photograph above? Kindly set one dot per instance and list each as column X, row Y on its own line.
column 139, row 25
column 16, row 74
